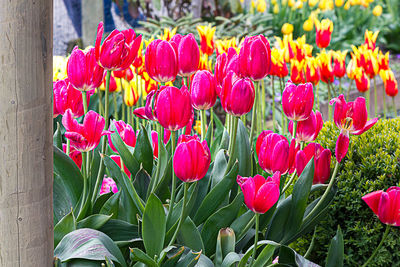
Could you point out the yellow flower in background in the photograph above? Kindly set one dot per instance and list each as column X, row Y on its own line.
column 365, row 3
column 339, row 3
column 261, row 6
column 131, row 95
column 284, row 2
column 273, row 2
column 276, row 9
column 205, row 63
column 308, row 49
column 326, row 5
column 168, row 34
column 347, row 5
column 377, row 11
column 291, row 3
column 351, row 67
column 298, row 5
column 308, row 25
column 59, row 68
column 287, row 28
column 197, row 127
column 223, row 45
column 313, row 3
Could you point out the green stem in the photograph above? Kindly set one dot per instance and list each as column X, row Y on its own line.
column 376, row 98
column 99, row 178
column 253, row 116
column 329, row 106
column 348, row 90
column 273, row 103
column 262, row 105
column 123, row 100
column 282, row 113
column 68, row 147
column 294, row 130
column 255, row 239
column 340, row 86
column 232, row 143
column 317, row 93
column 99, row 94
column 308, row 252
column 173, row 191
column 331, row 182
column 203, row 124
column 211, row 125
column 368, row 97
column 394, row 108
column 84, row 101
column 115, row 106
column 385, row 234
column 288, row 183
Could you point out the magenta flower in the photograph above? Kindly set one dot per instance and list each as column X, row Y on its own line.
column 117, row 159
column 126, row 132
column 385, row 205
column 118, row 50
column 84, row 137
column 225, row 62
column 108, row 186
column 203, row 90
column 161, row 61
column 260, row 194
column 66, row 97
column 74, row 154
column 308, row 130
column 188, row 54
column 83, row 71
column 298, row 101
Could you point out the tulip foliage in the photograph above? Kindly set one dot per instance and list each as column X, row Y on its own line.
column 135, row 183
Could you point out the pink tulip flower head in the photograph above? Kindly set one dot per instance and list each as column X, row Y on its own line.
column 118, row 50
column 225, row 62
column 298, row 101
column 74, row 154
column 192, row 159
column 84, row 137
column 308, row 130
column 161, row 61
column 188, row 53
column 125, row 131
column 203, row 90
column 260, row 194
column 385, row 205
column 350, row 118
column 67, row 97
column 108, row 186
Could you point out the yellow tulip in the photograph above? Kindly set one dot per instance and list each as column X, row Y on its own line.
column 308, row 25
column 287, row 28
column 276, row 9
column 377, row 11
column 347, row 5
column 312, row 3
column 339, row 3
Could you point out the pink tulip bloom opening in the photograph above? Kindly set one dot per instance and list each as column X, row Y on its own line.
column 108, row 186
column 298, row 101
column 308, row 130
column 161, row 61
column 118, row 50
column 322, row 161
column 83, row 71
column 84, row 137
column 188, row 53
column 67, row 97
column 385, row 205
column 203, row 90
column 260, row 194
column 125, row 131
column 192, row 158
column 350, row 118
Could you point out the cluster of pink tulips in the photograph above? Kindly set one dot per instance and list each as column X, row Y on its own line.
column 170, row 111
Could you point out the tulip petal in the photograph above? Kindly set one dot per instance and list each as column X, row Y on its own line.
column 372, row 199
column 248, row 188
column 266, row 197
column 367, row 126
column 342, row 146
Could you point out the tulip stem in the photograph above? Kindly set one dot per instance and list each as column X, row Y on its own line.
column 308, row 252
column 340, row 86
column 329, row 106
column 394, row 108
column 232, row 142
column 384, row 103
column 123, row 102
column 294, row 130
column 101, row 110
column 348, row 90
column 211, row 126
column 68, row 147
column 203, row 124
column 317, row 93
column 282, row 114
column 323, row 197
column 385, row 234
column 288, row 183
column 99, row 178
column 376, row 98
column 255, row 239
column 173, row 190
column 84, row 102
column 262, row 106
column 254, row 116
column 115, row 106
column 368, row 97
column 273, row 103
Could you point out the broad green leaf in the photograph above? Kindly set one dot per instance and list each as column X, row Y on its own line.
column 153, row 226
column 289, row 257
column 189, row 236
column 94, row 221
column 189, row 260
column 249, row 251
column 138, row 255
column 128, row 159
column 98, row 204
column 230, row 259
column 111, row 206
column 143, row 152
column 219, row 168
column 157, row 177
column 241, row 222
column 336, row 250
column 141, row 182
column 88, row 244
column 220, row 219
column 264, row 257
column 173, row 259
column 215, row 197
column 243, row 151
column 57, row 137
column 119, row 230
column 66, row 225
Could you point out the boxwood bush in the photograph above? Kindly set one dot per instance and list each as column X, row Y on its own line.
column 371, row 164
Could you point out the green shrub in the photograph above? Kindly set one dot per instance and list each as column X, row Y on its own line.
column 371, row 164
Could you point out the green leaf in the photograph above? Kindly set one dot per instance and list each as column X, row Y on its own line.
column 264, row 257
column 63, row 227
column 138, row 255
column 88, row 244
column 157, row 178
column 119, row 230
column 57, row 137
column 222, row 218
column 153, row 226
column 249, row 251
column 336, row 250
column 94, row 221
column 189, row 235
column 216, row 196
column 225, row 244
column 189, row 260
column 230, row 259
column 171, row 262
column 289, row 257
column 243, row 151
column 68, row 184
column 129, row 160
column 143, row 152
column 219, row 168
column 111, row 206
column 141, row 183
column 98, row 204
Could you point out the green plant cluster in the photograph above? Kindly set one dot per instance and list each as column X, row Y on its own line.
column 371, row 164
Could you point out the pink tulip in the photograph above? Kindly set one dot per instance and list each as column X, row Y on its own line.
column 154, row 139
column 237, row 95
column 173, row 107
column 255, row 58
column 83, row 71
column 161, row 61
column 225, row 62
column 203, row 90
column 118, row 50
column 298, row 101
column 74, row 154
column 260, row 194
column 308, row 130
column 126, row 132
column 350, row 118
column 84, row 137
column 275, row 153
column 322, row 161
column 108, row 186
column 66, row 97
column 188, row 54
column 385, row 205
column 192, row 159
column 260, row 139
column 117, row 159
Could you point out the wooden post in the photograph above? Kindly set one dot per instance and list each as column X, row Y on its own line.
column 26, row 161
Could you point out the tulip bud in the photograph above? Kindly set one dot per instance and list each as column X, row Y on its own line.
column 254, row 59
column 108, row 186
column 188, row 54
column 161, row 61
column 296, row 71
column 362, row 81
column 237, row 95
column 278, row 64
column 203, row 90
column 259, row 194
column 225, row 244
column 308, row 130
column 390, row 82
column 130, row 96
column 118, row 50
column 173, row 107
column 192, row 159
column 339, row 68
column 83, row 72
column 325, row 60
column 313, row 71
column 298, row 101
